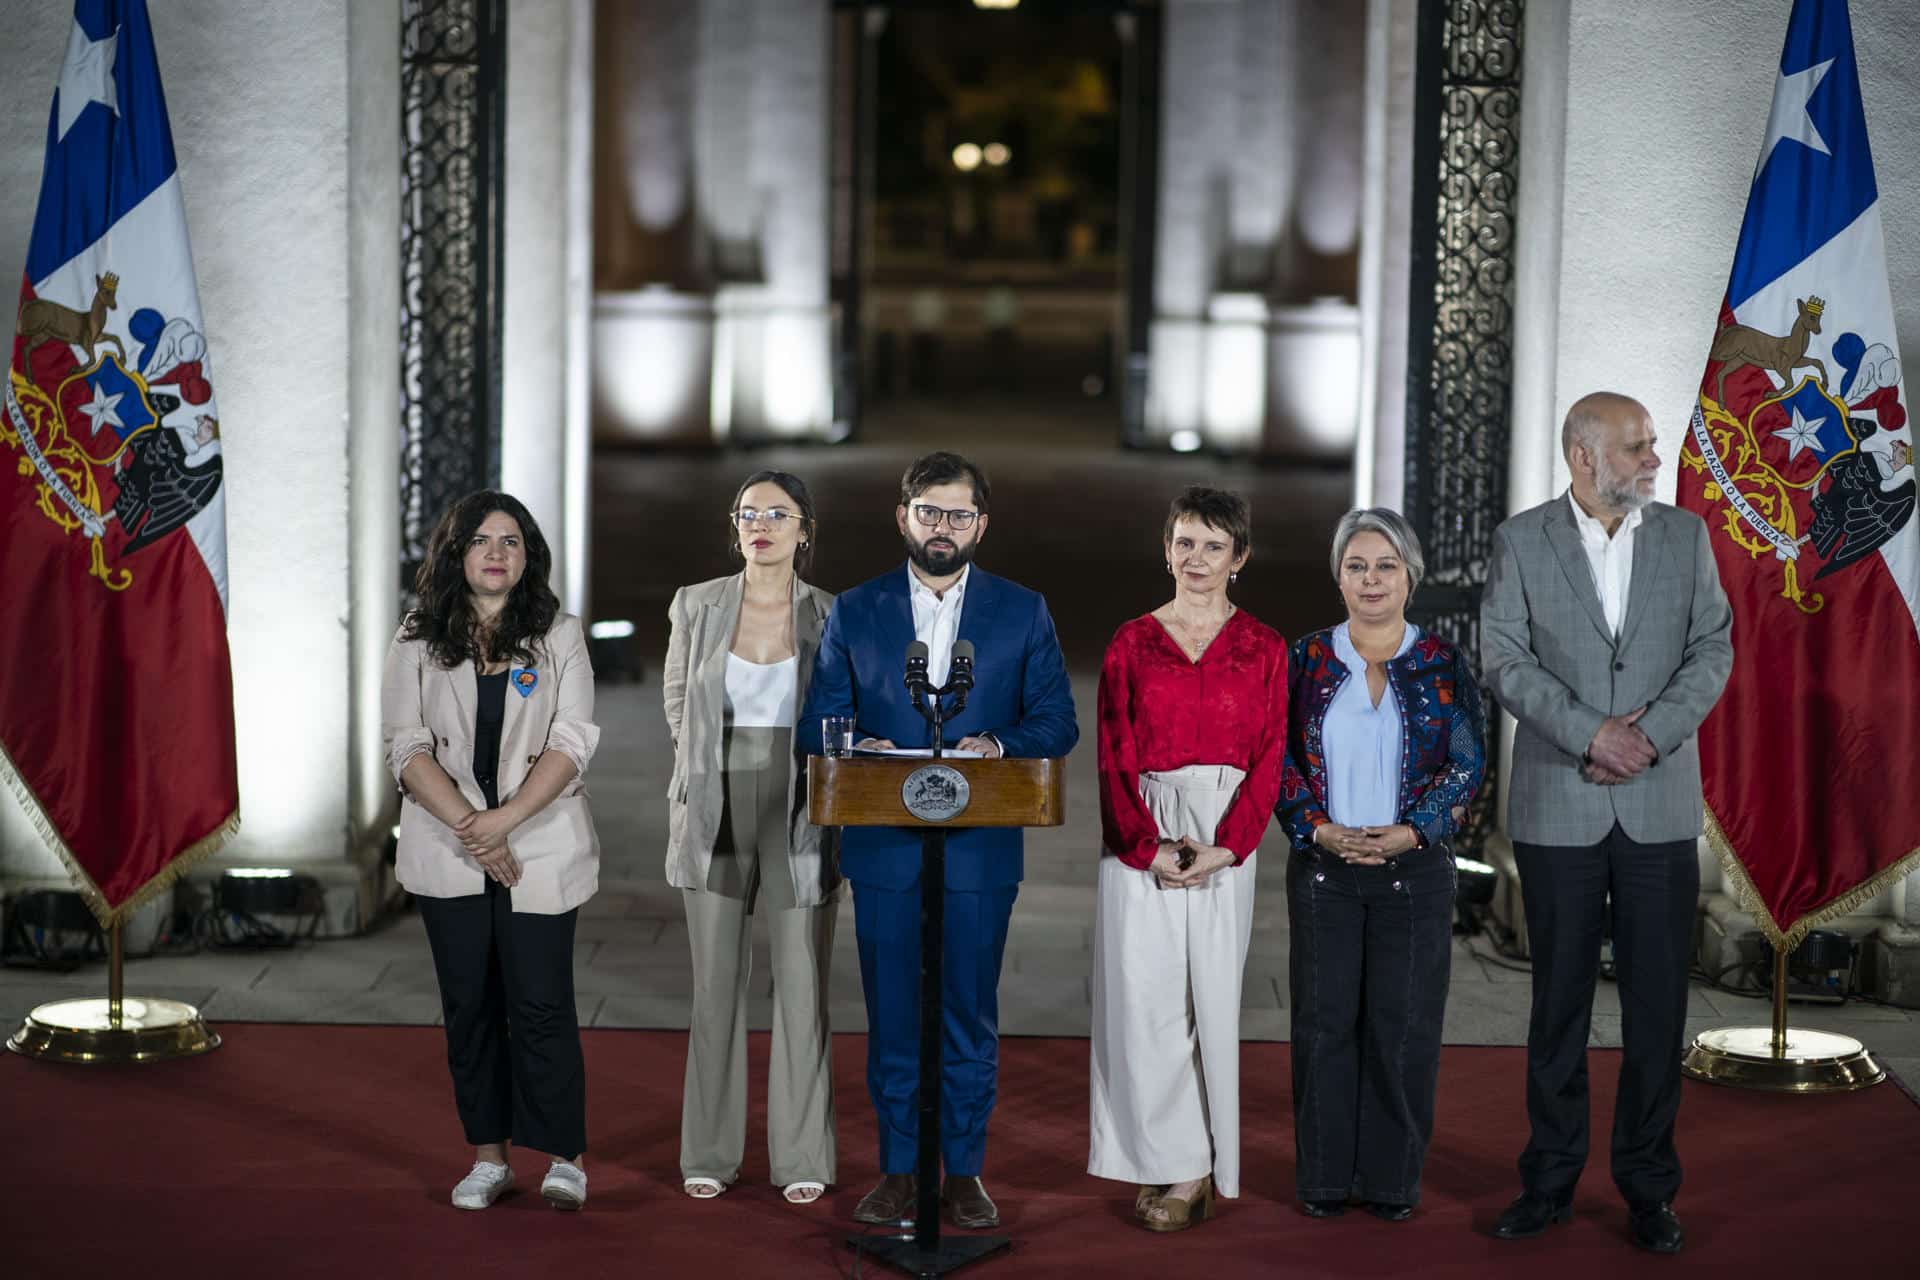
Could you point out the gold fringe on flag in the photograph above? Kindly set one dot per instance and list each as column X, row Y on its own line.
column 107, row 914
column 1788, row 938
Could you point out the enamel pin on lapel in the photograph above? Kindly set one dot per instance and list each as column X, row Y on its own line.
column 524, row 680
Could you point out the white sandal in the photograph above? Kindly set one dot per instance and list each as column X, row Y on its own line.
column 703, row 1188
column 797, row 1192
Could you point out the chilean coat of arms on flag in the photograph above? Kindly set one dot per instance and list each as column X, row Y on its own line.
column 116, row 694
column 1799, row 457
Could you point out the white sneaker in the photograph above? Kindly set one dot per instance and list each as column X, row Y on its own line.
column 482, row 1185
column 565, row 1186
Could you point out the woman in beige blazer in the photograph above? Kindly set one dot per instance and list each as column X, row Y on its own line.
column 738, row 662
column 487, row 711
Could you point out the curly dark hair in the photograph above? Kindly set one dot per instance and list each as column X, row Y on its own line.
column 794, row 487
column 1218, row 509
column 925, row 472
column 445, row 618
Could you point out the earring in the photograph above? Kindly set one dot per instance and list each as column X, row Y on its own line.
column 1233, row 577
column 1169, row 566
column 803, row 544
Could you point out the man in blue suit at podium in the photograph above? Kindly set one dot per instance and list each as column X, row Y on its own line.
column 1021, row 705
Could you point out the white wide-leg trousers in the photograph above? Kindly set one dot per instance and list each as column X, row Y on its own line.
column 1167, row 967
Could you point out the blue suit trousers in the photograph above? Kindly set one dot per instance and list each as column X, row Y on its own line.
column 887, row 925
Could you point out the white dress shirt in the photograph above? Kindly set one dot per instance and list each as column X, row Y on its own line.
column 1610, row 559
column 936, row 620
column 1362, row 742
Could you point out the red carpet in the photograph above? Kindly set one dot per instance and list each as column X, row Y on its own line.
column 330, row 1151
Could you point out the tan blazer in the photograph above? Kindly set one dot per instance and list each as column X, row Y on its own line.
column 703, row 619
column 427, row 708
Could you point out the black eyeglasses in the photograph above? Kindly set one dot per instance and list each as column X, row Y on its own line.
column 774, row 516
column 959, row 520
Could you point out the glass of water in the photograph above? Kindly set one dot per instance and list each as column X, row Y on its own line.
column 836, row 735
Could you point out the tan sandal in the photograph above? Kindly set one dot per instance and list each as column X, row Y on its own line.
column 1149, row 1196
column 1172, row 1214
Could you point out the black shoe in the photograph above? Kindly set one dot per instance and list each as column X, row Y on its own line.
column 890, row 1204
column 1529, row 1216
column 1323, row 1208
column 1654, row 1228
column 1389, row 1212
column 969, row 1207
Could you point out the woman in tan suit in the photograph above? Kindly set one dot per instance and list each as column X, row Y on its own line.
column 487, row 711
column 737, row 667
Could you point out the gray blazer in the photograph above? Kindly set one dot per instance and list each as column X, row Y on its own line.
column 1555, row 666
column 703, row 618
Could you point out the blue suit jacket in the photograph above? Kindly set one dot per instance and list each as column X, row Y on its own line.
column 1020, row 695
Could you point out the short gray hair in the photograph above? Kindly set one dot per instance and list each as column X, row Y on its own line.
column 1389, row 524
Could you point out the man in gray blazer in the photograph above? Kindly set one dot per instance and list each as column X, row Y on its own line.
column 1607, row 636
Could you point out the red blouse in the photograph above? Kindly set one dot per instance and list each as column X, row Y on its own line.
column 1160, row 711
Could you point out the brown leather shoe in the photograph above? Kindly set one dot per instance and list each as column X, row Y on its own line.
column 968, row 1205
column 891, row 1203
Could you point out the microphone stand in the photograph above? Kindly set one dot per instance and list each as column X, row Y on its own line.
column 924, row 1253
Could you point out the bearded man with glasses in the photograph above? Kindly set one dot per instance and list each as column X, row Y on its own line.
column 1021, row 705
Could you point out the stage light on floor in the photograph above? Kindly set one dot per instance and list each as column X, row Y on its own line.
column 1185, row 440
column 1478, row 880
column 243, row 895
column 611, row 648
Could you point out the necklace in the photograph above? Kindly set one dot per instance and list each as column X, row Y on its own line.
column 1194, row 641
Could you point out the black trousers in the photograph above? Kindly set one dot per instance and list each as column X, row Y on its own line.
column 1655, row 890
column 513, row 1031
column 1370, row 955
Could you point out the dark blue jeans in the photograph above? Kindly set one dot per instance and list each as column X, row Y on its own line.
column 1371, row 951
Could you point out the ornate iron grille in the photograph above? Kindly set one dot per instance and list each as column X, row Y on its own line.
column 452, row 212
column 1460, row 333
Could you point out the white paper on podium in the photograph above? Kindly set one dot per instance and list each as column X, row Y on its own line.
column 923, row 752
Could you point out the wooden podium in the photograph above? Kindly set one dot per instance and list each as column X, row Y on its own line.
column 934, row 796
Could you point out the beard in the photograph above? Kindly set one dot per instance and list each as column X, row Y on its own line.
column 938, row 563
column 1622, row 493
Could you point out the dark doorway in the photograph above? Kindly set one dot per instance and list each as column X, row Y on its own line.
column 992, row 196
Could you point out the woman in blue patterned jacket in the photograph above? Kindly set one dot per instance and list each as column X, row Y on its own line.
column 1386, row 745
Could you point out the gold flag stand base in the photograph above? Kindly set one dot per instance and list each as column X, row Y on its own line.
column 1778, row 1060
column 116, row 1029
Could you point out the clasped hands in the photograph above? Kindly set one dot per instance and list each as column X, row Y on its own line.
column 1365, row 846
column 483, row 833
column 1620, row 750
column 1205, row 859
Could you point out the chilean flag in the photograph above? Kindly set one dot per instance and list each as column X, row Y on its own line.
column 1800, row 459
column 116, row 693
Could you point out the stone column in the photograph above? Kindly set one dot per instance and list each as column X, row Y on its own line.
column 763, row 108
column 1260, row 185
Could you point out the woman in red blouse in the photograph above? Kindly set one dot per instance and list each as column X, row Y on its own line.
column 1193, row 730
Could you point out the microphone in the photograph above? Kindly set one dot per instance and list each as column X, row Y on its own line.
column 917, row 681
column 960, row 675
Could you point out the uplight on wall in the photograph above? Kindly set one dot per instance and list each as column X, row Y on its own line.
column 996, row 4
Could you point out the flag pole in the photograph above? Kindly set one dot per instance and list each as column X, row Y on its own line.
column 116, row 976
column 1777, row 1060
column 1779, row 1045
column 117, row 1029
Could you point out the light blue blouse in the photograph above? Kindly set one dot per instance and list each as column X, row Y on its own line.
column 1362, row 742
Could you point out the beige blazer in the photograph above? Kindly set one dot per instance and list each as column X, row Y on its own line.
column 703, row 619
column 427, row 708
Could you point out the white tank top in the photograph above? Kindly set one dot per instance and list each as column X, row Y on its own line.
column 762, row 694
